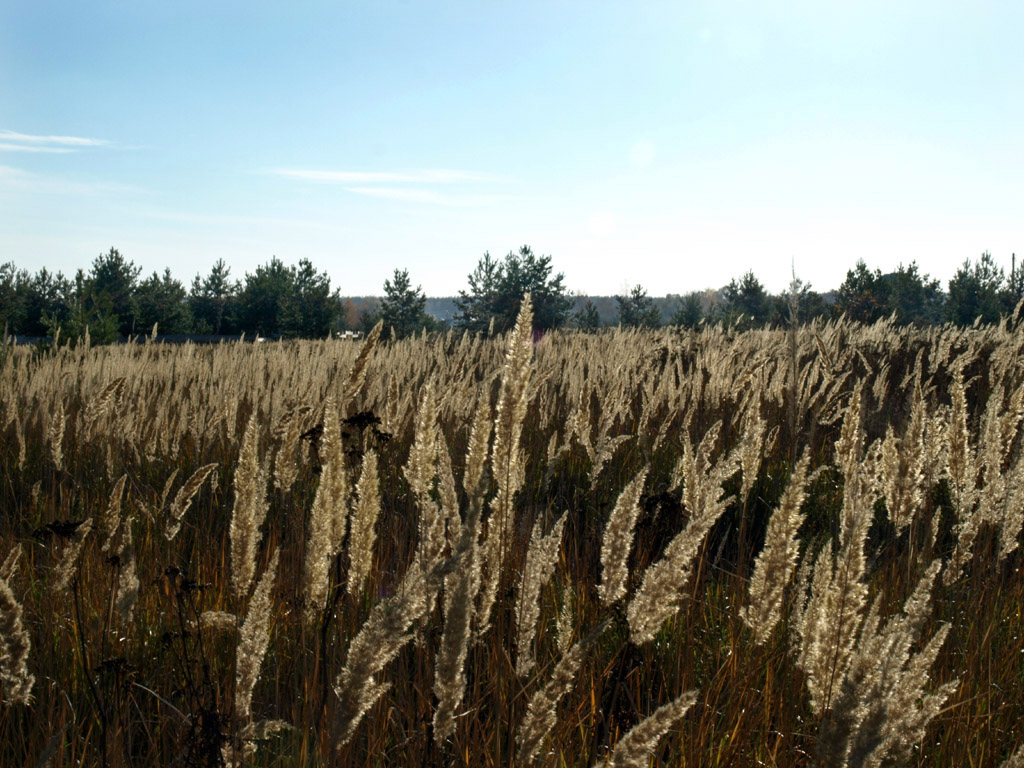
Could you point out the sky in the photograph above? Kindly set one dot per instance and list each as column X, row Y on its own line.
column 674, row 145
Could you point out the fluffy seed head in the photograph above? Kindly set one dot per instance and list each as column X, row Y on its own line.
column 253, row 640
column 618, row 541
column 634, row 750
column 249, row 511
column 14, row 649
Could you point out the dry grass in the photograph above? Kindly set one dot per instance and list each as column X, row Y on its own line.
column 492, row 552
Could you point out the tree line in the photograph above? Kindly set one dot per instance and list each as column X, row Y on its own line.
column 111, row 300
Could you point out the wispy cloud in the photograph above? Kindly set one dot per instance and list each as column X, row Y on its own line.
column 431, row 186
column 5, row 147
column 12, row 141
column 433, row 196
column 429, row 176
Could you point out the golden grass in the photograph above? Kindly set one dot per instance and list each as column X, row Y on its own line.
column 495, row 552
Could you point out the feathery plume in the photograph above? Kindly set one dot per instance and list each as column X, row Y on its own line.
column 829, row 623
column 9, row 569
column 14, row 649
column 541, row 710
column 1009, row 421
column 833, row 616
column 774, row 566
column 604, row 451
column 903, row 466
column 751, row 450
column 218, row 621
column 1016, row 760
column 250, row 510
column 285, row 462
column 420, row 468
column 959, row 455
column 99, row 406
column 19, row 438
column 461, row 587
column 476, row 454
column 962, row 470
column 68, row 565
column 579, row 422
column 446, row 490
column 541, row 558
column 420, row 472
column 56, row 436
column 1013, row 519
column 553, row 451
column 661, row 590
column 564, row 622
column 264, row 729
column 634, row 750
column 881, row 709
column 253, row 640
column 391, row 405
column 127, row 580
column 168, row 484
column 358, row 374
column 328, row 516
column 850, row 445
column 184, row 497
column 507, row 462
column 618, row 541
column 334, row 478
column 379, row 640
column 364, row 521
column 250, row 735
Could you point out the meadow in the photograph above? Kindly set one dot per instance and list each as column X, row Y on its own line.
column 788, row 547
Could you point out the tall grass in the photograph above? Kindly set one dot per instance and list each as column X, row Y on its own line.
column 787, row 548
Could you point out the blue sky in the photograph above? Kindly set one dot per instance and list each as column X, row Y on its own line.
column 675, row 145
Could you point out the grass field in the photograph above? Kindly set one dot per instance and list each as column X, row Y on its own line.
column 779, row 548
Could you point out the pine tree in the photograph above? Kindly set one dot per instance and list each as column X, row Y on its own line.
column 403, row 308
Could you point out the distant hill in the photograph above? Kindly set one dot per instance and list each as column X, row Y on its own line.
column 440, row 308
column 443, row 307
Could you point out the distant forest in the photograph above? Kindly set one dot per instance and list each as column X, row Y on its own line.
column 111, row 300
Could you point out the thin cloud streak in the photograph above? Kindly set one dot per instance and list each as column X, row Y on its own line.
column 32, row 148
column 76, row 141
column 433, row 197
column 410, row 186
column 428, row 176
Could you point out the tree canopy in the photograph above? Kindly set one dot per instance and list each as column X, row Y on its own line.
column 976, row 291
column 689, row 311
column 213, row 301
column 277, row 300
column 745, row 301
column 403, row 308
column 111, row 287
column 310, row 309
column 496, row 289
column 162, row 302
column 868, row 296
column 587, row 318
column 638, row 310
